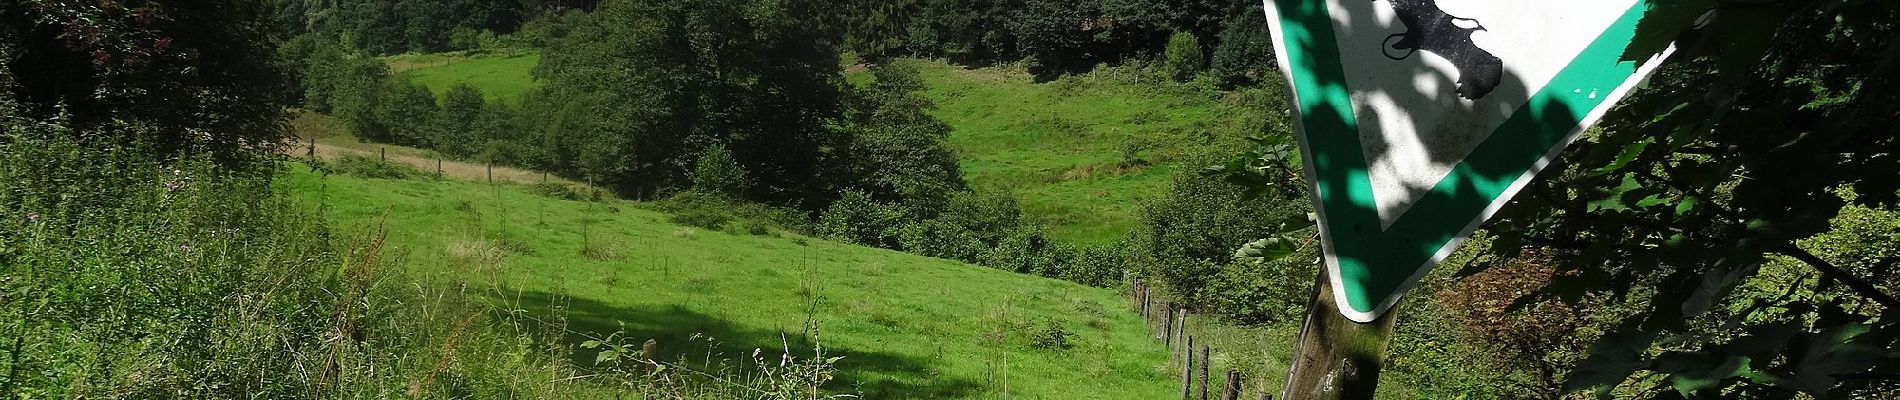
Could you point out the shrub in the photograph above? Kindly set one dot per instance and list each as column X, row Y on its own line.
column 756, row 227
column 558, row 190
column 1052, row 336
column 1028, row 250
column 936, row 238
column 989, row 215
column 1262, row 292
column 703, row 219
column 1184, row 59
column 1187, row 236
column 858, row 219
column 1095, row 265
column 716, row 172
column 704, row 207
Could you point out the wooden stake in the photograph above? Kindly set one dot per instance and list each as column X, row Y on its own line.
column 1336, row 358
column 1232, row 391
column 1204, row 361
column 1187, row 373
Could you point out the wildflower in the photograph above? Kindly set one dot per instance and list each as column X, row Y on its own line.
column 184, row 247
column 33, row 217
column 171, row 186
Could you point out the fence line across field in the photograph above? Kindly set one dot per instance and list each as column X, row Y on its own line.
column 1168, row 321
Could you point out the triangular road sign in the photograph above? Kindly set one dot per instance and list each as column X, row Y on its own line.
column 1418, row 119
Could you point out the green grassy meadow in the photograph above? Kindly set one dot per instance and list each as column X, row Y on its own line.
column 500, row 77
column 1081, row 153
column 907, row 326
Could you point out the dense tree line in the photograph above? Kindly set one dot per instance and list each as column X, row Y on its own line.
column 1052, row 37
column 401, row 26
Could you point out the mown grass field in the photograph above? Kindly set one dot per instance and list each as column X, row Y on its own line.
column 501, row 77
column 1081, row 153
column 908, row 326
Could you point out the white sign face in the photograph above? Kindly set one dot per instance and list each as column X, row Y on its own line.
column 1420, row 118
column 1414, row 137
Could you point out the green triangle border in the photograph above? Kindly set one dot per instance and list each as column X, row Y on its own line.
column 1371, row 266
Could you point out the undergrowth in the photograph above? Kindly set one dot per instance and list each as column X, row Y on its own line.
column 123, row 275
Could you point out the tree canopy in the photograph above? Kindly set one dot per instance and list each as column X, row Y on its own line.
column 197, row 75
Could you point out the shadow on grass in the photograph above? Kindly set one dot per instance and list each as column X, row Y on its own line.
column 673, row 327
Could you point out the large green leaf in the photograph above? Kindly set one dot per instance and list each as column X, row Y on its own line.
column 1611, row 360
column 1691, row 372
column 1817, row 359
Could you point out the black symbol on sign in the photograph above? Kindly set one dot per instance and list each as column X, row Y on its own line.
column 1429, row 28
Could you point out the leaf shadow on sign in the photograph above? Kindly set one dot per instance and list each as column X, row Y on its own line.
column 1467, row 190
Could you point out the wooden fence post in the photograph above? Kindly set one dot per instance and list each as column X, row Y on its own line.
column 1232, row 391
column 491, row 172
column 438, row 168
column 1204, row 362
column 385, row 155
column 1187, row 374
column 1167, row 325
column 1180, row 323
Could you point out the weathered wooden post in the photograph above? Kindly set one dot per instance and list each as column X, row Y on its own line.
column 1205, row 349
column 438, row 168
column 1180, row 323
column 491, row 172
column 1187, row 374
column 385, row 155
column 1232, row 390
column 1167, row 325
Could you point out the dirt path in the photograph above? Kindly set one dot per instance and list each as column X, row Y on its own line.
column 454, row 169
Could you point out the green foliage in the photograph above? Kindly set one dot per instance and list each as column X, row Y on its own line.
column 111, row 253
column 1731, row 163
column 858, row 218
column 761, row 77
column 562, row 191
column 898, row 152
column 1050, row 37
column 1051, row 336
column 941, row 239
column 1264, row 287
column 465, row 123
column 1183, row 59
column 194, row 76
column 1049, row 34
column 710, row 211
column 402, row 26
column 716, row 173
column 1189, row 235
column 1244, row 55
column 1027, row 250
column 396, row 112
